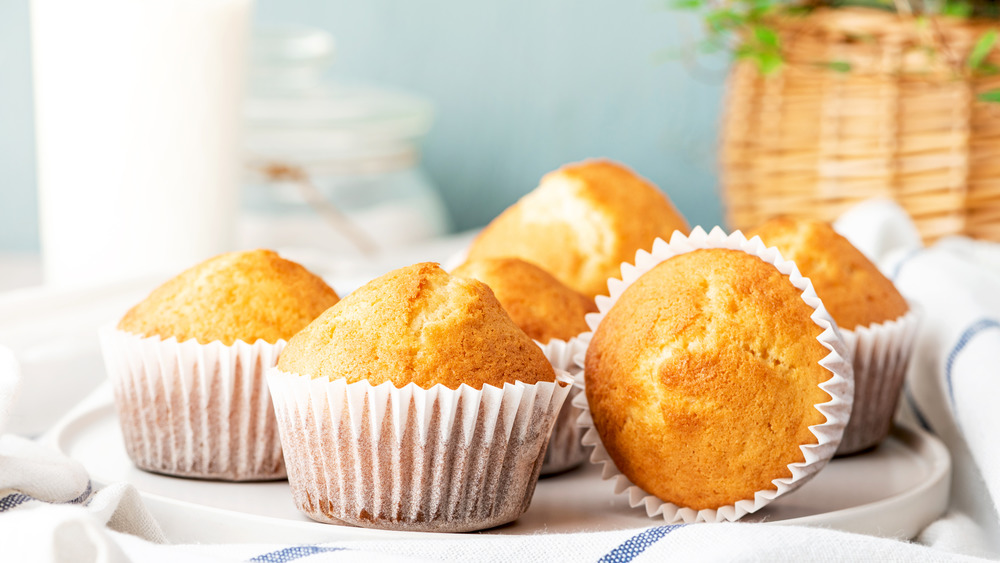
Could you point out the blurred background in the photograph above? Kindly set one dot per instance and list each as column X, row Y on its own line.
column 499, row 93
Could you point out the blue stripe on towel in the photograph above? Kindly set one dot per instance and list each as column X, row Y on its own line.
column 963, row 341
column 902, row 262
column 637, row 544
column 292, row 553
column 14, row 500
column 85, row 496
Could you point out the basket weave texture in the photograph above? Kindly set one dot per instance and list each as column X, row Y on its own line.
column 903, row 123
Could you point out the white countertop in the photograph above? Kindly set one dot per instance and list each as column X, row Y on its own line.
column 19, row 270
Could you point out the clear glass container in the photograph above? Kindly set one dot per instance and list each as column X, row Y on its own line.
column 331, row 166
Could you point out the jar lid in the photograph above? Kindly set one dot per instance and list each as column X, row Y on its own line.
column 278, row 45
column 287, row 113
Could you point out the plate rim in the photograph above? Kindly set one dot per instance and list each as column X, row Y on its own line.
column 928, row 447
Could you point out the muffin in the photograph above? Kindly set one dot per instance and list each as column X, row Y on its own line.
column 188, row 363
column 712, row 372
column 415, row 404
column 853, row 289
column 541, row 305
column 581, row 223
column 552, row 314
column 878, row 323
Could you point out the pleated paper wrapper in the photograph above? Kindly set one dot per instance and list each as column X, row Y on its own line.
column 880, row 354
column 566, row 449
column 438, row 459
column 840, row 386
column 195, row 410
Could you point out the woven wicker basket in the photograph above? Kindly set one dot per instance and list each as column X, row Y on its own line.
column 904, row 123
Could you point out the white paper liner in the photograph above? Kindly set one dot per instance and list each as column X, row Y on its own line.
column 195, row 410
column 438, row 459
column 880, row 354
column 840, row 386
column 566, row 449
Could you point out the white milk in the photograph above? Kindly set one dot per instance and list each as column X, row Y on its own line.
column 137, row 106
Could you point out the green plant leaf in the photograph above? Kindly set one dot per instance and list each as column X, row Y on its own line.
column 797, row 10
column 686, row 4
column 723, row 20
column 992, row 96
column 988, row 69
column 744, row 52
column 957, row 9
column 757, row 13
column 982, row 48
column 768, row 62
column 766, row 36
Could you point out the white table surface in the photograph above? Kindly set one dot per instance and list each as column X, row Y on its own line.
column 20, row 270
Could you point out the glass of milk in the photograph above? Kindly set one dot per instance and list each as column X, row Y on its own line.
column 137, row 108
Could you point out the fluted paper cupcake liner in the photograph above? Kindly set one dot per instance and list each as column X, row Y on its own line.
column 840, row 386
column 566, row 449
column 438, row 459
column 880, row 354
column 195, row 410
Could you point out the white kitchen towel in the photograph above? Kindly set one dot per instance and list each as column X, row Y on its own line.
column 48, row 510
column 952, row 387
column 695, row 542
column 950, row 390
column 691, row 542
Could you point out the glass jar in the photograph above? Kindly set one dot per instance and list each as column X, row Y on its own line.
column 332, row 166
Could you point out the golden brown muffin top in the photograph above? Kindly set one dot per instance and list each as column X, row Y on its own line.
column 853, row 289
column 581, row 223
column 541, row 305
column 702, row 378
column 418, row 324
column 249, row 296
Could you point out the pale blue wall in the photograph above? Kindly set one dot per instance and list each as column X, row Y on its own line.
column 520, row 87
column 18, row 204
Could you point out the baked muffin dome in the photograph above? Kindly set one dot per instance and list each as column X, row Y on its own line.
column 418, row 324
column 249, row 296
column 581, row 223
column 541, row 305
column 702, row 378
column 853, row 289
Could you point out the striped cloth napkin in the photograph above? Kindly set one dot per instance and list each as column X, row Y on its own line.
column 48, row 511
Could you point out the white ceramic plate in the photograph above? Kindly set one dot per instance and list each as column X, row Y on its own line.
column 893, row 491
